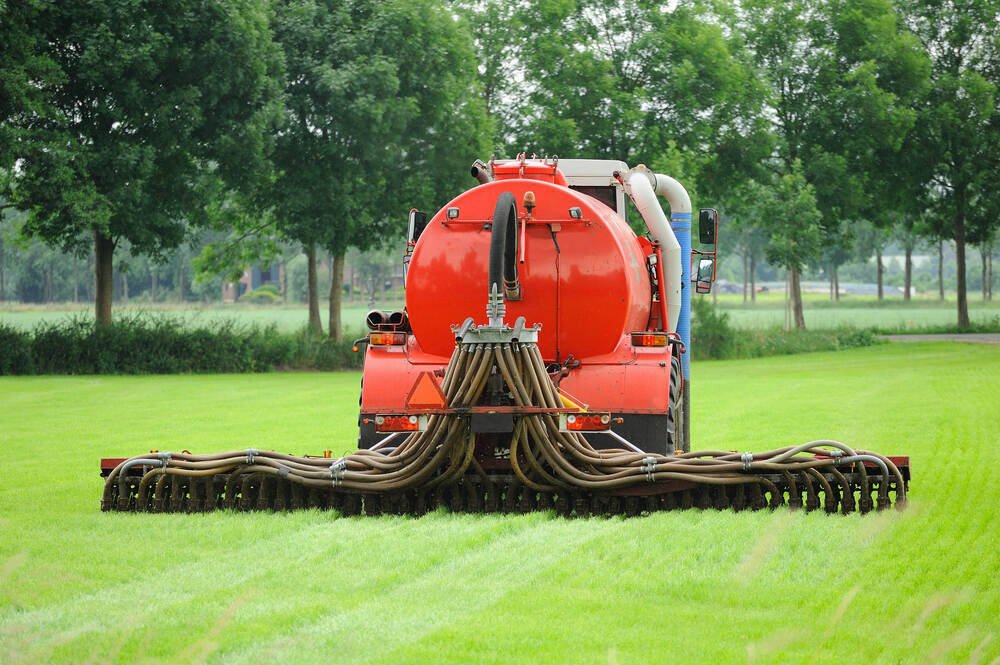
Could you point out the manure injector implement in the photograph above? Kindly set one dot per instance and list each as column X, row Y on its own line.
column 541, row 362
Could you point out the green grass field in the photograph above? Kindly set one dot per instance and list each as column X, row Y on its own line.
column 81, row 586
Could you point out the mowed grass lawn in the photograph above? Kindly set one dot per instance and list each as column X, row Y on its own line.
column 79, row 586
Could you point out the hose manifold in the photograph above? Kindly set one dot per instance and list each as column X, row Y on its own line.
column 337, row 471
column 649, row 467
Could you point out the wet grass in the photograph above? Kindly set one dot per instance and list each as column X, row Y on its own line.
column 80, row 586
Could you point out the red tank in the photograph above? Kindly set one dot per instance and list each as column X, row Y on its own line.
column 582, row 274
column 585, row 280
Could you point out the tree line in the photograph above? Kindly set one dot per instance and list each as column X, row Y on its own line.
column 813, row 124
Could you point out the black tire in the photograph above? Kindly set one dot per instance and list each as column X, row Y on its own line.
column 676, row 440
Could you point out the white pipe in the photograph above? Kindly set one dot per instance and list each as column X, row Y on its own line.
column 639, row 186
column 674, row 192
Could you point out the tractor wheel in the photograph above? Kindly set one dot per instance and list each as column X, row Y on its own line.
column 675, row 412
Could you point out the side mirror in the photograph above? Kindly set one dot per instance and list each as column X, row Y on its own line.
column 706, row 275
column 708, row 225
column 416, row 225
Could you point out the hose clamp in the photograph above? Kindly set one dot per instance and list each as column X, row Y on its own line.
column 283, row 471
column 838, row 456
column 337, row 471
column 746, row 458
column 649, row 466
column 251, row 455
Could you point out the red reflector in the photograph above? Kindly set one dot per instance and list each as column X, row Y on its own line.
column 387, row 339
column 426, row 394
column 649, row 339
column 586, row 422
column 399, row 423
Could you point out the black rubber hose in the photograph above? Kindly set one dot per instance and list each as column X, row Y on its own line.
column 503, row 244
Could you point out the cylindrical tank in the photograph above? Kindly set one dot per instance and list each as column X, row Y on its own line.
column 582, row 276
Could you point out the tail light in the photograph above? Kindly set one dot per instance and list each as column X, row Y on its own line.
column 649, row 339
column 387, row 339
column 400, row 423
column 584, row 422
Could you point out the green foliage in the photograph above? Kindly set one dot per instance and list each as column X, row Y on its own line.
column 261, row 295
column 15, row 350
column 129, row 119
column 711, row 334
column 714, row 337
column 145, row 344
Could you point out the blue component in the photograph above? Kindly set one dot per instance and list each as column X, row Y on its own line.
column 680, row 222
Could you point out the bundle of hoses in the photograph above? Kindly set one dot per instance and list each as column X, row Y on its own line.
column 551, row 469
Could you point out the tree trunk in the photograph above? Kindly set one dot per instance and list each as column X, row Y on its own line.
column 104, row 256
column 908, row 280
column 284, row 281
column 315, row 324
column 745, row 260
column 89, row 284
column 799, row 317
column 50, row 287
column 833, row 287
column 941, row 269
column 878, row 271
column 982, row 256
column 155, row 276
column 753, row 279
column 336, row 291
column 180, row 275
column 963, row 304
column 836, row 283
column 989, row 274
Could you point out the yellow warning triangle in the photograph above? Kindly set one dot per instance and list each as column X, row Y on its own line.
column 426, row 394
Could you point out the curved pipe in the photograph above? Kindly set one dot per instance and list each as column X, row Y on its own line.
column 639, row 186
column 375, row 318
column 479, row 172
column 503, row 245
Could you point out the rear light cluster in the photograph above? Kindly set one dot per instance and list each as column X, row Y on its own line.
column 649, row 339
column 400, row 423
column 584, row 422
column 387, row 339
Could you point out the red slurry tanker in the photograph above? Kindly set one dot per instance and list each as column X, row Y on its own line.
column 541, row 362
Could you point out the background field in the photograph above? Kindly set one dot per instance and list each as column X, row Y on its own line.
column 821, row 314
column 80, row 586
column 287, row 319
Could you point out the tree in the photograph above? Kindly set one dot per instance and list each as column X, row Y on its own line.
column 634, row 81
column 125, row 115
column 793, row 225
column 871, row 239
column 958, row 116
column 839, row 71
column 378, row 95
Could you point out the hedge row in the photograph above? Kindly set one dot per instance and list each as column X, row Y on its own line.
column 712, row 336
column 147, row 344
column 157, row 344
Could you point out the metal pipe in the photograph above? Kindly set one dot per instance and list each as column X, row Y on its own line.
column 638, row 185
column 481, row 172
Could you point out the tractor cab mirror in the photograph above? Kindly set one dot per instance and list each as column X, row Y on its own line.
column 706, row 275
column 708, row 225
column 416, row 226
